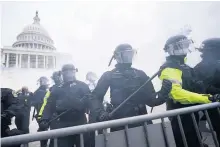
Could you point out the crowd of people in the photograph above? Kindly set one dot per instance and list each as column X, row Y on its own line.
column 69, row 100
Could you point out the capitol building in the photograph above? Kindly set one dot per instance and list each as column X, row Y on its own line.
column 33, row 52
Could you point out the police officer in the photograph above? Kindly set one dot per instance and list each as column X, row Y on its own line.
column 38, row 99
column 208, row 70
column 39, row 94
column 23, row 115
column 57, row 79
column 185, row 87
column 70, row 100
column 123, row 80
column 8, row 110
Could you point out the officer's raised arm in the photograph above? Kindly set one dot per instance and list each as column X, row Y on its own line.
column 150, row 96
column 102, row 86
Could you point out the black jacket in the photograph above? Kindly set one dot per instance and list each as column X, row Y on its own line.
column 71, row 97
column 8, row 109
column 208, row 70
column 38, row 97
column 123, row 81
column 25, row 100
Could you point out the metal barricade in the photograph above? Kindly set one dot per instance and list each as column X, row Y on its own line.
column 150, row 135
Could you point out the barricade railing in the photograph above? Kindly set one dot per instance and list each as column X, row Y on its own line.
column 54, row 134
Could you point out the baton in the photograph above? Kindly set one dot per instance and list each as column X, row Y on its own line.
column 130, row 96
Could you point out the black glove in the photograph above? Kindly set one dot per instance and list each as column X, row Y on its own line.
column 109, row 108
column 14, row 132
column 166, row 87
column 43, row 125
column 215, row 98
column 104, row 116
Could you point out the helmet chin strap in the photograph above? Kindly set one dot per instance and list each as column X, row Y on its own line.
column 110, row 60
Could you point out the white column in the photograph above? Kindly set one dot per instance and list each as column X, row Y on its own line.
column 36, row 61
column 20, row 60
column 17, row 60
column 54, row 62
column 7, row 61
column 28, row 60
column 3, row 58
column 45, row 63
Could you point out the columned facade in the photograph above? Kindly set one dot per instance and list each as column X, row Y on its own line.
column 26, row 60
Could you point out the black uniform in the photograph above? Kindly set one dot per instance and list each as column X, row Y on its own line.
column 188, row 83
column 38, row 97
column 208, row 70
column 8, row 110
column 70, row 98
column 37, row 100
column 22, row 120
column 123, row 81
column 55, row 123
column 56, row 77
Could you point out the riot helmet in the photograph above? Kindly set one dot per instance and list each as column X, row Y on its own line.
column 210, row 48
column 179, row 45
column 43, row 81
column 69, row 73
column 24, row 90
column 56, row 77
column 124, row 53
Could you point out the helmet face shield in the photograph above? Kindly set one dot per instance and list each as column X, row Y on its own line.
column 125, row 56
column 181, row 47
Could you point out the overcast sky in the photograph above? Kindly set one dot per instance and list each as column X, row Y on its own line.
column 91, row 30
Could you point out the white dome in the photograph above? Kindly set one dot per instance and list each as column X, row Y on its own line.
column 35, row 28
column 35, row 36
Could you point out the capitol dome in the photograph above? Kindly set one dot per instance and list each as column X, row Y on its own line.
column 34, row 36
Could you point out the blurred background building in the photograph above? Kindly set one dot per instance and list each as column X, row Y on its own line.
column 31, row 56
